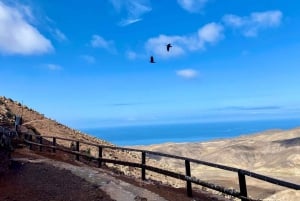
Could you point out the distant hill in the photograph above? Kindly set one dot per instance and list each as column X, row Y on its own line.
column 273, row 153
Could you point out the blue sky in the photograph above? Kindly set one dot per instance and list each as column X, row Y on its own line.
column 86, row 63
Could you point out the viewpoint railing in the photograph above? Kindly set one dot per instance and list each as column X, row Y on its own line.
column 242, row 194
column 6, row 136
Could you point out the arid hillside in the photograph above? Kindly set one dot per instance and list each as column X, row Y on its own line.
column 37, row 123
column 273, row 153
column 41, row 124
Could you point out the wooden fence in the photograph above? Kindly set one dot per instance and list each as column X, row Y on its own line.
column 6, row 136
column 187, row 177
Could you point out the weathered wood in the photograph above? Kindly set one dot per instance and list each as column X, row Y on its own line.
column 188, row 174
column 143, row 166
column 219, row 166
column 41, row 143
column 30, row 140
column 243, row 186
column 77, row 149
column 241, row 173
column 99, row 156
column 54, row 144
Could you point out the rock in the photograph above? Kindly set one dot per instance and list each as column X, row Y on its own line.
column 138, row 198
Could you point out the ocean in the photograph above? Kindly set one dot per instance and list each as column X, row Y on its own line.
column 185, row 132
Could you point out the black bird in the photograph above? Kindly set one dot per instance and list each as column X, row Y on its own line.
column 152, row 59
column 169, row 46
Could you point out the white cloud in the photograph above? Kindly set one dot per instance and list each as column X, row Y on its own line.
column 53, row 67
column 157, row 45
column 117, row 4
column 51, row 27
column 26, row 11
column 268, row 18
column 137, row 8
column 234, row 20
column 88, row 58
column 126, row 22
column 17, row 35
column 187, row 73
column 251, row 25
column 208, row 34
column 60, row 36
column 99, row 42
column 192, row 5
column 131, row 55
column 134, row 9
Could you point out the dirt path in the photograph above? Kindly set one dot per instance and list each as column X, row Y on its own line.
column 58, row 177
column 115, row 188
column 36, row 182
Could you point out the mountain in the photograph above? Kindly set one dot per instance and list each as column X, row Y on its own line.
column 36, row 123
column 274, row 153
column 41, row 124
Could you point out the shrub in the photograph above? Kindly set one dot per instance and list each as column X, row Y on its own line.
column 88, row 151
column 9, row 114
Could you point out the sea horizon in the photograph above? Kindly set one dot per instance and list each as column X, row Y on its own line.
column 148, row 134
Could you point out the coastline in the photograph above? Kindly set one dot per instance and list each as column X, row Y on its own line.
column 143, row 135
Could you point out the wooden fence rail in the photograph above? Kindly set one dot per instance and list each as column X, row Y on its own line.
column 242, row 193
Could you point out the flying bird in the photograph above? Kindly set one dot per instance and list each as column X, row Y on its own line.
column 169, row 46
column 152, row 59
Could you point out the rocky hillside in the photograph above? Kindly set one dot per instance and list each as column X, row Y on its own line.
column 6, row 116
column 36, row 122
column 273, row 153
column 42, row 124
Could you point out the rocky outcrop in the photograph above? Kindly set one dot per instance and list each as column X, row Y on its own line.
column 6, row 115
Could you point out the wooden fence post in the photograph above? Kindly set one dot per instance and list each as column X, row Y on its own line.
column 41, row 143
column 188, row 183
column 143, row 163
column 54, row 144
column 30, row 140
column 77, row 149
column 242, row 183
column 99, row 156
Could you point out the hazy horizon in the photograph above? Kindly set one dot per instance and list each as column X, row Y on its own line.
column 147, row 134
column 91, row 124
